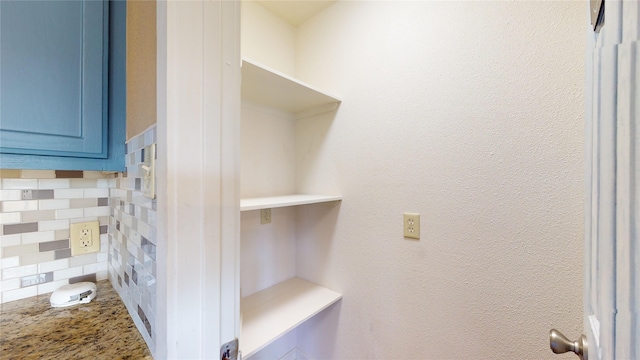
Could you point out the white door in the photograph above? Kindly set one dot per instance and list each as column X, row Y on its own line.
column 612, row 250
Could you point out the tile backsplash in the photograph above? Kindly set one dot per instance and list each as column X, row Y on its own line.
column 132, row 240
column 36, row 209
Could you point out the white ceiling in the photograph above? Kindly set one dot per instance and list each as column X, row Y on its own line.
column 295, row 12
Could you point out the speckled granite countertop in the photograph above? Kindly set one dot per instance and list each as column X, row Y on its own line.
column 102, row 329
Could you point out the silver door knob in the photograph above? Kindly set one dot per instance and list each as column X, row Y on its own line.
column 560, row 344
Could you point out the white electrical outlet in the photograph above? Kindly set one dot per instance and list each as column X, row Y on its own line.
column 265, row 216
column 84, row 238
column 411, row 225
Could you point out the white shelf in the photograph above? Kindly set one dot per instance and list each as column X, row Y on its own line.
column 286, row 200
column 271, row 313
column 266, row 87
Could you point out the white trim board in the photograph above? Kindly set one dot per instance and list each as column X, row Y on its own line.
column 198, row 92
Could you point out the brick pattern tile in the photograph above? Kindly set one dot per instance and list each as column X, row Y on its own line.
column 36, row 209
column 132, row 240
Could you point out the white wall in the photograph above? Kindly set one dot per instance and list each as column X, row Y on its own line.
column 267, row 39
column 267, row 153
column 471, row 114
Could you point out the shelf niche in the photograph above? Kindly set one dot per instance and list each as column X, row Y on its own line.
column 272, row 104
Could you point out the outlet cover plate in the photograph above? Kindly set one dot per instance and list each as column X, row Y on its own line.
column 84, row 238
column 149, row 172
column 265, row 216
column 411, row 225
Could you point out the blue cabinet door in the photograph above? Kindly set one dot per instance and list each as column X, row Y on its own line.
column 54, row 78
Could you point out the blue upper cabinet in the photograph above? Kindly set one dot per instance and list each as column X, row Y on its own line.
column 62, row 84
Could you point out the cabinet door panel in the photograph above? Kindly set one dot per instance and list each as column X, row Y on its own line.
column 53, row 63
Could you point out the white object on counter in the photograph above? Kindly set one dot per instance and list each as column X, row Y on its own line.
column 71, row 294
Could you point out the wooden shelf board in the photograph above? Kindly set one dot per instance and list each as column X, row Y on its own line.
column 267, row 87
column 285, row 200
column 271, row 313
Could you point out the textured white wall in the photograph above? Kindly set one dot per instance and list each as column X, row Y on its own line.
column 267, row 153
column 471, row 114
column 267, row 39
column 267, row 251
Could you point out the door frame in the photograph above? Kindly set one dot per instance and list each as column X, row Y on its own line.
column 612, row 180
column 198, row 107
